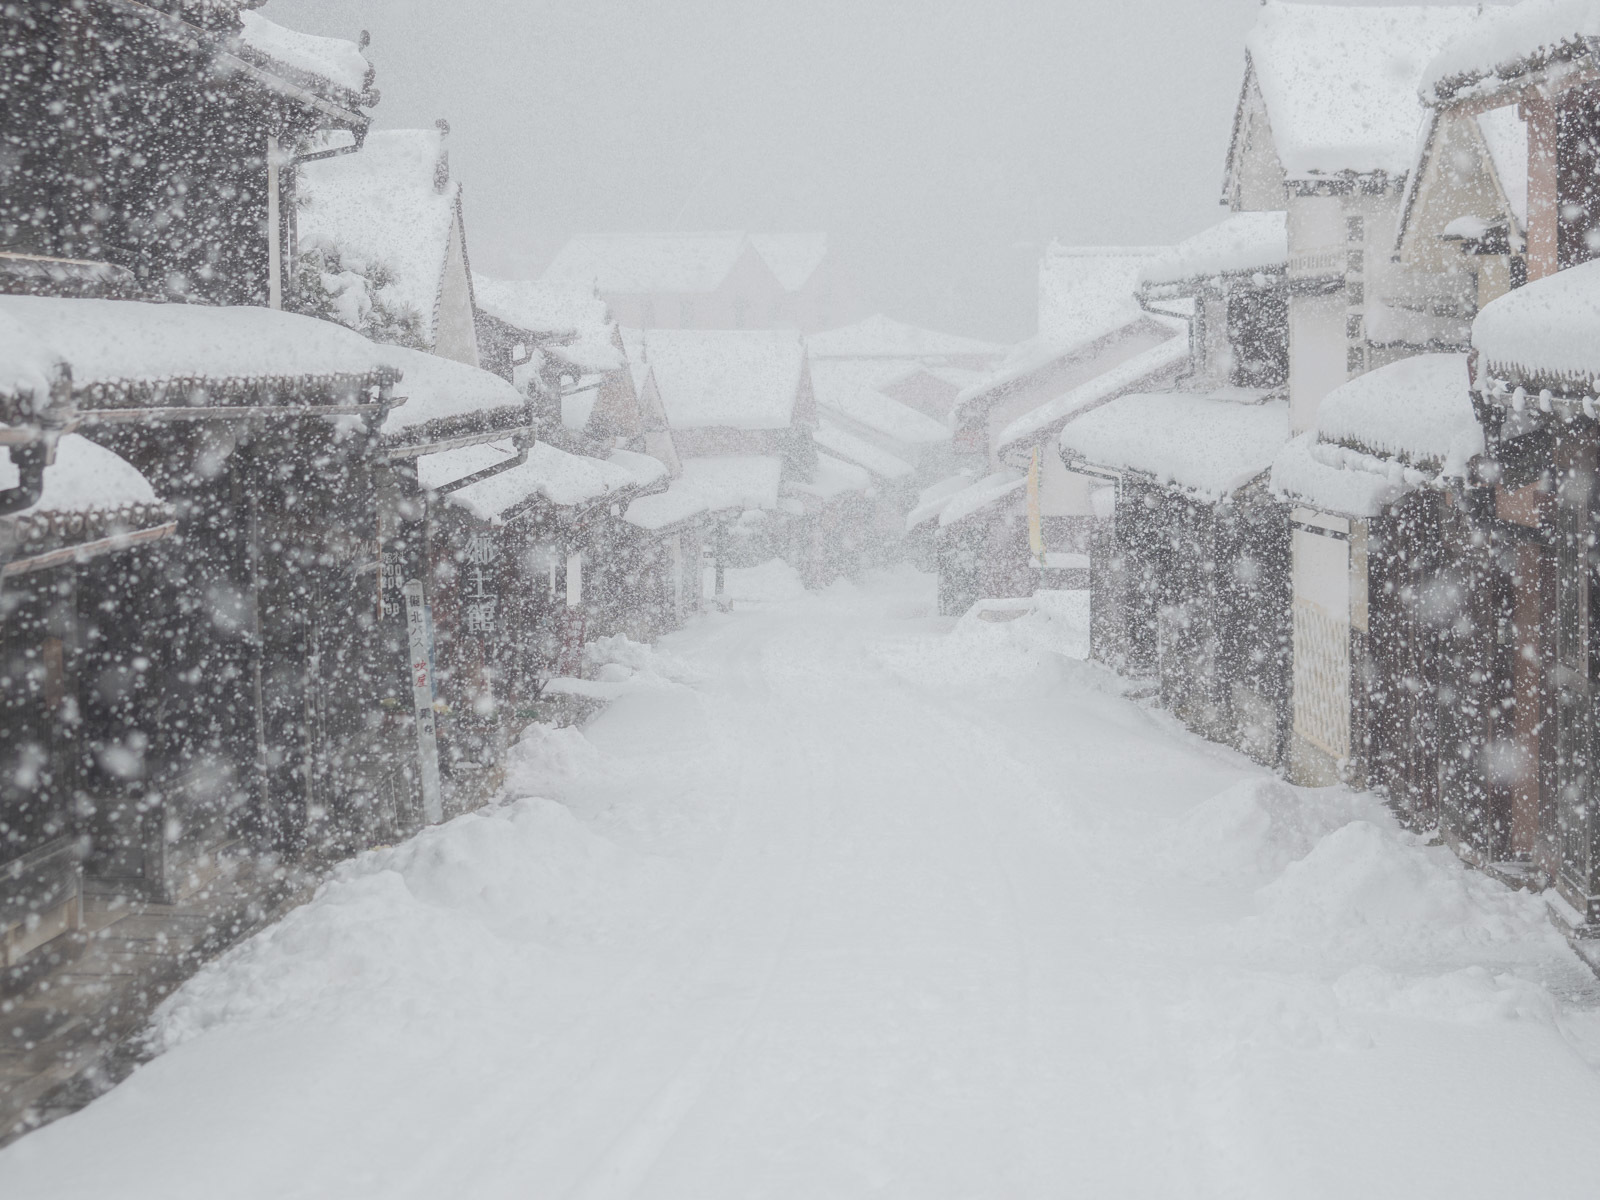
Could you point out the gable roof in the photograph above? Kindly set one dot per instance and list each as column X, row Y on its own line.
column 572, row 317
column 879, row 336
column 1340, row 82
column 737, row 379
column 645, row 263
column 793, row 258
column 1509, row 44
column 333, row 61
column 382, row 211
column 1087, row 291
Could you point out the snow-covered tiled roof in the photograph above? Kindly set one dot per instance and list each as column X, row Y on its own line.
column 565, row 480
column 738, row 379
column 1243, row 242
column 833, row 478
column 885, row 415
column 970, row 501
column 793, row 258
column 879, row 336
column 335, row 60
column 1143, row 370
column 445, row 467
column 1548, row 330
column 647, row 262
column 932, row 499
column 848, row 446
column 734, row 480
column 85, row 477
column 382, row 212
column 677, row 504
column 440, row 389
column 644, row 470
column 568, row 314
column 1418, row 410
column 1340, row 81
column 1333, row 479
column 1509, row 43
column 1087, row 291
column 110, row 342
column 1206, row 445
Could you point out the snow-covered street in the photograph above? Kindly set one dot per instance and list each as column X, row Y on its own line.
column 840, row 899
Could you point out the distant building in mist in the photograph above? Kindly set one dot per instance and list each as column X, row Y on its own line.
column 716, row 280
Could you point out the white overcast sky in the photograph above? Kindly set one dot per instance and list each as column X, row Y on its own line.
column 940, row 143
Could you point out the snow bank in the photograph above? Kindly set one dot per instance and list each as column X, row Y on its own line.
column 1340, row 83
column 1255, row 829
column 732, row 379
column 1418, row 409
column 339, row 62
column 85, row 477
column 111, row 341
column 1204, row 445
column 1244, row 242
column 982, row 655
column 441, row 389
column 1508, row 43
column 1549, row 328
column 1145, row 369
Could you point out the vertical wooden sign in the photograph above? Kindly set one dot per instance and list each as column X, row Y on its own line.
column 422, row 702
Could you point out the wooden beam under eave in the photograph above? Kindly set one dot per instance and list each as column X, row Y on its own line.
column 1544, row 208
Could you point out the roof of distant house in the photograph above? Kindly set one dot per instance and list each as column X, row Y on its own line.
column 566, row 313
column 1510, row 43
column 682, row 263
column 734, row 480
column 879, row 336
column 744, row 379
column 848, row 446
column 382, row 211
column 1340, row 82
column 1087, row 291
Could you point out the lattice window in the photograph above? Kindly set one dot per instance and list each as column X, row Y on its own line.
column 1321, row 678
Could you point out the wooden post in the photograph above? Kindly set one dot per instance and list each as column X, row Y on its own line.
column 422, row 702
column 274, row 228
column 1544, row 213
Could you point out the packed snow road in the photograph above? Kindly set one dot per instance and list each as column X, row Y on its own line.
column 837, row 900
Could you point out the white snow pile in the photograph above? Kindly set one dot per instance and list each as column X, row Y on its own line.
column 1204, row 445
column 1509, row 42
column 996, row 646
column 440, row 389
column 1348, row 913
column 444, row 926
column 1243, row 243
column 1418, row 409
column 1551, row 328
column 1340, row 83
column 336, row 60
column 771, row 582
column 733, row 379
column 109, row 341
